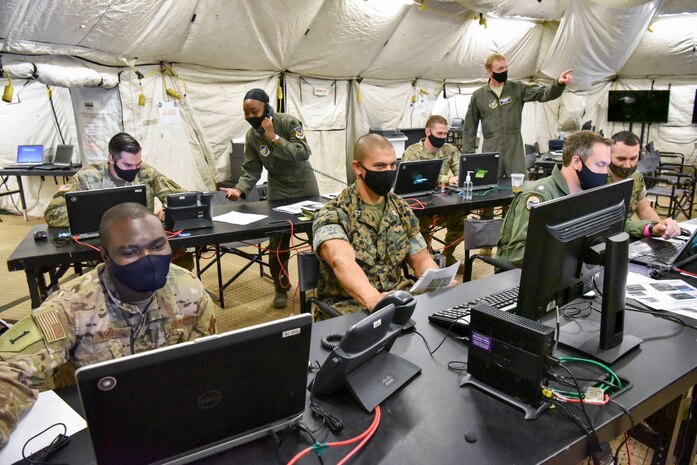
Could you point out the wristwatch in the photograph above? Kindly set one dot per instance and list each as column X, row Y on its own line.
column 276, row 139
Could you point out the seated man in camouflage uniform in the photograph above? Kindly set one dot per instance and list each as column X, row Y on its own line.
column 133, row 302
column 432, row 147
column 585, row 159
column 625, row 159
column 365, row 235
column 123, row 167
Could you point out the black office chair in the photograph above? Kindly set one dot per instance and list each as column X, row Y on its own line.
column 308, row 277
column 481, row 234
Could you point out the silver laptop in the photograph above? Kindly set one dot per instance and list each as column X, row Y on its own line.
column 180, row 403
column 484, row 168
column 86, row 208
column 28, row 156
column 62, row 160
column 417, row 178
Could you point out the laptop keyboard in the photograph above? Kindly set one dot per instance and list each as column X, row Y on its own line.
column 663, row 255
column 457, row 317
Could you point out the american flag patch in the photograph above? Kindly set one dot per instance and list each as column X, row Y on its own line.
column 50, row 325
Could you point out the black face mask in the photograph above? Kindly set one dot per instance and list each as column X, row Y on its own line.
column 622, row 173
column 379, row 182
column 437, row 142
column 126, row 175
column 589, row 179
column 255, row 121
column 500, row 77
column 147, row 274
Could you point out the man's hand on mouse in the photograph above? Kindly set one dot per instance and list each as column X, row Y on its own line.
column 666, row 229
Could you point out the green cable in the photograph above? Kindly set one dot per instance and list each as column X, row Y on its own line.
column 593, row 362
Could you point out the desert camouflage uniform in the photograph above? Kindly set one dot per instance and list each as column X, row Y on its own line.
column 290, row 176
column 514, row 231
column 380, row 249
column 454, row 222
column 87, row 323
column 97, row 176
column 634, row 227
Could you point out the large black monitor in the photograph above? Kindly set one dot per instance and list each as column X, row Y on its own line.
column 640, row 106
column 569, row 240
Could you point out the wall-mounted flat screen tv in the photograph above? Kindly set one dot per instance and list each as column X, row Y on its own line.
column 639, row 106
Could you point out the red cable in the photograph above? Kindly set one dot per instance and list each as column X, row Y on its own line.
column 85, row 244
column 626, row 444
column 372, row 431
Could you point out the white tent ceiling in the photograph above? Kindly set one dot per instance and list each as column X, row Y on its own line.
column 383, row 63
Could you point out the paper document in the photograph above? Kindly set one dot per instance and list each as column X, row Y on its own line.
column 294, row 209
column 234, row 217
column 331, row 195
column 435, row 279
column 47, row 410
column 674, row 295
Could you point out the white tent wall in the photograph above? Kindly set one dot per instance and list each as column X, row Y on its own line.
column 98, row 118
column 29, row 120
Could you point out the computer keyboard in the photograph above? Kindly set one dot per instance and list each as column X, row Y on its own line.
column 457, row 317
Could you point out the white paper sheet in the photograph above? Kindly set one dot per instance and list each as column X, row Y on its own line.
column 294, row 209
column 435, row 279
column 234, row 217
column 674, row 295
column 47, row 410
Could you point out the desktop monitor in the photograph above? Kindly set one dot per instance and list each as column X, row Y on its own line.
column 564, row 253
column 362, row 361
column 641, row 106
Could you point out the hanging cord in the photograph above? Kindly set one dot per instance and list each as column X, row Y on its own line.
column 55, row 116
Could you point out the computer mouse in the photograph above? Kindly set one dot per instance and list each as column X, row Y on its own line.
column 40, row 235
column 685, row 232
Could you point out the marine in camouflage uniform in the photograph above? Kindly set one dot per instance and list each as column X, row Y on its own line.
column 97, row 176
column 290, row 176
column 381, row 249
column 635, row 227
column 501, row 120
column 88, row 323
column 514, row 231
column 454, row 222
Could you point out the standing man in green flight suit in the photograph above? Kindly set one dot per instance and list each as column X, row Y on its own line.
column 499, row 106
column 429, row 148
column 275, row 141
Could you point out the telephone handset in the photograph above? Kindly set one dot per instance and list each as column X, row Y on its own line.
column 404, row 307
column 268, row 113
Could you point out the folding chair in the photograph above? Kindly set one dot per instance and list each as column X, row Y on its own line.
column 667, row 176
column 481, row 234
column 308, row 277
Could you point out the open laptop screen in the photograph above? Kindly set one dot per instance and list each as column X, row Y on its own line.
column 183, row 402
column 32, row 154
column 86, row 208
column 418, row 177
column 484, row 168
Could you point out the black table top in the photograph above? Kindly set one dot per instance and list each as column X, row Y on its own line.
column 35, row 172
column 425, row 422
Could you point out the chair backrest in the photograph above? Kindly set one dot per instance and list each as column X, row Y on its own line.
column 308, row 271
column 649, row 162
column 480, row 234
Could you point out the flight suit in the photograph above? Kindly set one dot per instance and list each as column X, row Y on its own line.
column 454, row 222
column 635, row 227
column 380, row 249
column 97, row 176
column 88, row 323
column 290, row 176
column 514, row 231
column 501, row 120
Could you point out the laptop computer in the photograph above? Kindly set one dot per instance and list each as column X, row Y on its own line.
column 183, row 402
column 28, row 156
column 484, row 168
column 85, row 208
column 417, row 178
column 62, row 160
column 663, row 254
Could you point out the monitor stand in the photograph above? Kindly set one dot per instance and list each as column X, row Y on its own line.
column 584, row 335
column 379, row 378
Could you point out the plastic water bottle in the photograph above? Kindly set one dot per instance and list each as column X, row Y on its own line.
column 467, row 187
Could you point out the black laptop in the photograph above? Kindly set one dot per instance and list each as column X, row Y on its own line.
column 86, row 208
column 62, row 160
column 484, row 168
column 663, row 254
column 417, row 178
column 180, row 403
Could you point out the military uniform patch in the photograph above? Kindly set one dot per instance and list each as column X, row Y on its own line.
column 299, row 132
column 264, row 150
column 532, row 200
column 505, row 101
column 50, row 325
column 65, row 188
column 20, row 336
column 493, row 104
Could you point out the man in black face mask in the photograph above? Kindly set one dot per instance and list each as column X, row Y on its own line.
column 585, row 162
column 625, row 159
column 429, row 148
column 134, row 302
column 275, row 141
column 365, row 235
column 124, row 167
column 499, row 106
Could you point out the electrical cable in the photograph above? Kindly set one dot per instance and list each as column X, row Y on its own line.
column 626, row 437
column 58, row 442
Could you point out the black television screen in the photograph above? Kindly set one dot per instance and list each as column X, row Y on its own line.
column 639, row 106
column 694, row 109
